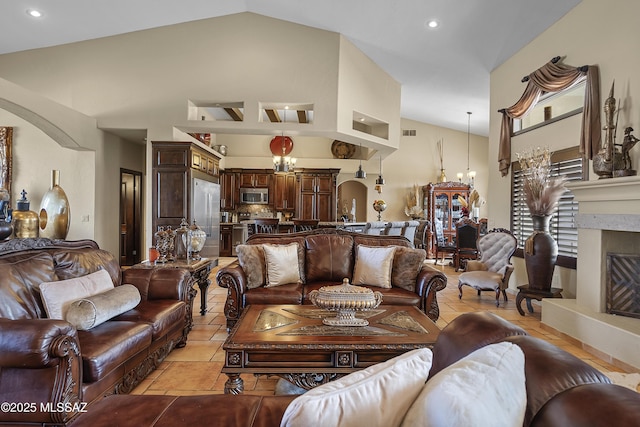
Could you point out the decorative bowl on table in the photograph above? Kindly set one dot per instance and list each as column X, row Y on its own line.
column 345, row 300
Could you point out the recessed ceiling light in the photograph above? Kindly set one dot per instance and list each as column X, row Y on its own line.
column 432, row 23
column 34, row 13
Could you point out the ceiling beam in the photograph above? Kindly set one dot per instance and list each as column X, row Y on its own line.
column 302, row 116
column 235, row 114
column 273, row 115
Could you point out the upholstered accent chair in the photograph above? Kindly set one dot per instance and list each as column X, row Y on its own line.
column 492, row 271
column 375, row 228
column 395, row 228
column 442, row 245
column 409, row 230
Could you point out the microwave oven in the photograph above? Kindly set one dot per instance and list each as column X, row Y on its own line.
column 254, row 196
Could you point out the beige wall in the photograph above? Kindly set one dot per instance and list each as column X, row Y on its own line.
column 594, row 32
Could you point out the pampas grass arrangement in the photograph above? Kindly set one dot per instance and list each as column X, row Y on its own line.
column 541, row 192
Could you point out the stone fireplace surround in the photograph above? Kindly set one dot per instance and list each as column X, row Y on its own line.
column 608, row 221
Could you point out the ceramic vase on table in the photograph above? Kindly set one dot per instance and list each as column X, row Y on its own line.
column 540, row 254
column 55, row 215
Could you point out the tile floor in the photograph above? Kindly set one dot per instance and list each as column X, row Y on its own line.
column 195, row 369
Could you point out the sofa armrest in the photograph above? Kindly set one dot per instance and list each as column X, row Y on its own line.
column 234, row 279
column 428, row 282
column 161, row 283
column 40, row 365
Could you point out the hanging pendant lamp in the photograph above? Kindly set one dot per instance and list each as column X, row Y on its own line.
column 360, row 173
column 380, row 180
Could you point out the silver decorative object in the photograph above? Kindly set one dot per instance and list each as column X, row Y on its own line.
column 197, row 237
column 345, row 300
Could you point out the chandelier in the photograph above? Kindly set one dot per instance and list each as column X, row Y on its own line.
column 282, row 162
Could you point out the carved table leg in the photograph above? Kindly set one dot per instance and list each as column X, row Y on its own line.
column 234, row 385
column 202, row 279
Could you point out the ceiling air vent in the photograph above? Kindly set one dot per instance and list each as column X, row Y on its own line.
column 408, row 132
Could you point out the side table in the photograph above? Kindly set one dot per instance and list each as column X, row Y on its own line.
column 199, row 269
column 525, row 293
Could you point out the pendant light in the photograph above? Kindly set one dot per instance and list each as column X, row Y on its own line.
column 360, row 173
column 470, row 174
column 380, row 180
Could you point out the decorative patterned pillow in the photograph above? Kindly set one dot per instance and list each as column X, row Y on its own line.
column 251, row 259
column 89, row 312
column 281, row 264
column 373, row 266
column 407, row 263
column 376, row 396
column 57, row 296
column 485, row 388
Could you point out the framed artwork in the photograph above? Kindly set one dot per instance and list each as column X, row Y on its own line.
column 6, row 134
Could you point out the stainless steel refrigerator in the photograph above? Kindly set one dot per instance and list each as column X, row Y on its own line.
column 206, row 212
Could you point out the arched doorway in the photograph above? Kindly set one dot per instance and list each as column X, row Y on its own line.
column 352, row 194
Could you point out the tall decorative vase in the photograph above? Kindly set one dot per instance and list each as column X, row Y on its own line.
column 540, row 254
column 55, row 216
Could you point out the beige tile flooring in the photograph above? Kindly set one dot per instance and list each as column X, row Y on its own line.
column 195, row 369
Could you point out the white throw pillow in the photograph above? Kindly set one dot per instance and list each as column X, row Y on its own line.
column 373, row 266
column 486, row 388
column 57, row 296
column 281, row 264
column 377, row 396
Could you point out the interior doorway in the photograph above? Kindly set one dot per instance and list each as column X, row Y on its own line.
column 130, row 217
column 352, row 197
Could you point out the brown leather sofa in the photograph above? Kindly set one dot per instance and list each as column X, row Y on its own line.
column 562, row 390
column 329, row 253
column 46, row 361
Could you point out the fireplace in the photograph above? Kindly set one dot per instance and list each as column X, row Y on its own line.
column 608, row 223
column 623, row 284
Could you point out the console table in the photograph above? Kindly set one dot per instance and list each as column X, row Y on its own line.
column 199, row 269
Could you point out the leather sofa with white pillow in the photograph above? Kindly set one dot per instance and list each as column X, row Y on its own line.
column 74, row 327
column 483, row 371
column 324, row 258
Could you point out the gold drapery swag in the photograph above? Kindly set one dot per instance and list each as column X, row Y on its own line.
column 554, row 77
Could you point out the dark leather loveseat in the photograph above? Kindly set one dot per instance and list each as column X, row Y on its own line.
column 561, row 389
column 48, row 362
column 329, row 256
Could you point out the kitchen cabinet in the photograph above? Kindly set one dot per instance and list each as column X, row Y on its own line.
column 284, row 189
column 185, row 185
column 440, row 202
column 255, row 178
column 226, row 240
column 316, row 189
column 228, row 190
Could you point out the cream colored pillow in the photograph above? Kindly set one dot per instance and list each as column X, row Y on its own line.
column 373, row 266
column 281, row 264
column 89, row 312
column 378, row 396
column 57, row 296
column 485, row 388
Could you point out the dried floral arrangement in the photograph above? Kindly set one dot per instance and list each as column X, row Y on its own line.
column 413, row 209
column 541, row 191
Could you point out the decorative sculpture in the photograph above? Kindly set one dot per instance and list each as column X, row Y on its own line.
column 608, row 159
column 628, row 143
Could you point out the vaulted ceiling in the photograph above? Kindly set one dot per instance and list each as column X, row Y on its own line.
column 444, row 71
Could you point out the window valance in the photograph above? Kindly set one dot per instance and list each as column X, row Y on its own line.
column 555, row 77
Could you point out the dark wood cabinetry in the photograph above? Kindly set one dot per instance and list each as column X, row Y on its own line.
column 180, row 170
column 316, row 194
column 440, row 202
column 284, row 189
column 255, row 178
column 228, row 190
column 226, row 239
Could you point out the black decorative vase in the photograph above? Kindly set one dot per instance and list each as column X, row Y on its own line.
column 6, row 229
column 540, row 254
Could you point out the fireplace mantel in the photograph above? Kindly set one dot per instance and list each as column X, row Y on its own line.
column 608, row 220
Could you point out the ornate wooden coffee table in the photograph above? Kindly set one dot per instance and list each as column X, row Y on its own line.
column 291, row 342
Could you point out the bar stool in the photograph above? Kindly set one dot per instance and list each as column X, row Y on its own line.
column 304, row 224
column 267, row 225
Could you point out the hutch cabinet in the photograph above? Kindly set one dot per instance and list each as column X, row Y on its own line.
column 316, row 194
column 440, row 202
